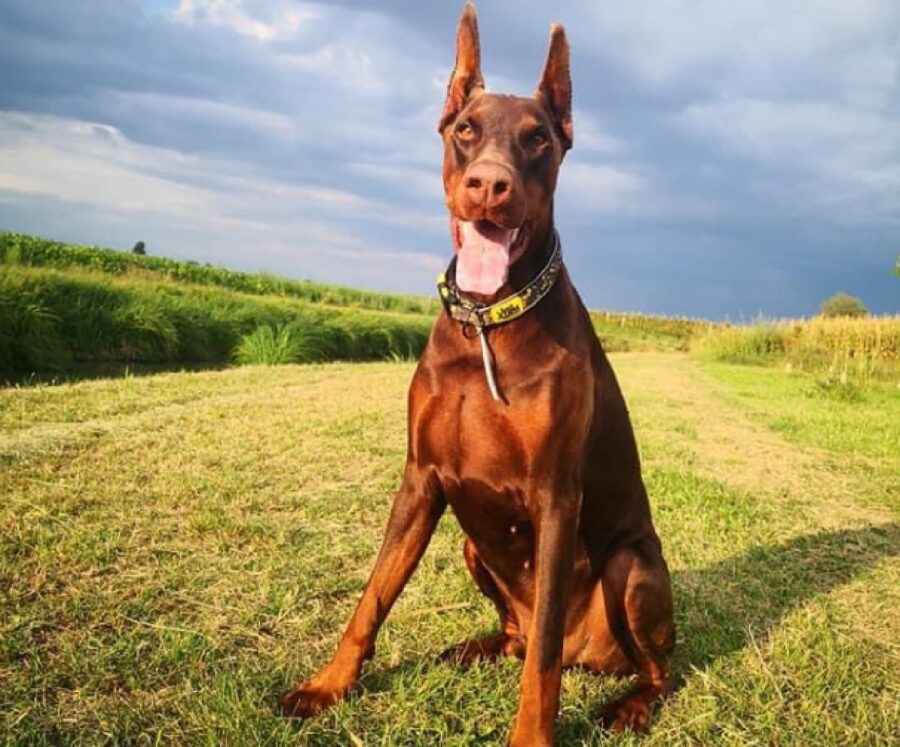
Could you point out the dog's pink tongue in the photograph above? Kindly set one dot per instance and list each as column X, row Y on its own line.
column 482, row 261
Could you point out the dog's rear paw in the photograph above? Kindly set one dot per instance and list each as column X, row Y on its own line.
column 463, row 654
column 308, row 700
column 484, row 649
column 630, row 713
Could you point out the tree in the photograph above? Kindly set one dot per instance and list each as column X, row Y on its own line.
column 842, row 304
column 139, row 249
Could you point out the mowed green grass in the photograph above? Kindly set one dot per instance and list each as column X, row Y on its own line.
column 177, row 550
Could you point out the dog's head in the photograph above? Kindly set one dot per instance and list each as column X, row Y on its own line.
column 501, row 159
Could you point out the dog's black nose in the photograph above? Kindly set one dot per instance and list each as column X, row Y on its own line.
column 488, row 185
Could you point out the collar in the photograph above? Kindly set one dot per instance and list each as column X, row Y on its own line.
column 512, row 307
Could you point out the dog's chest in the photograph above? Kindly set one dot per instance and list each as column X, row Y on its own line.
column 469, row 436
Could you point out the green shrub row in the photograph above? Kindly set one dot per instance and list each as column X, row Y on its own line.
column 50, row 319
column 33, row 251
column 618, row 331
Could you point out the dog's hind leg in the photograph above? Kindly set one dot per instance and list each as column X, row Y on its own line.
column 639, row 597
column 506, row 643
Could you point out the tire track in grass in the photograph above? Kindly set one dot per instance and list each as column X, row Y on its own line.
column 789, row 641
column 683, row 421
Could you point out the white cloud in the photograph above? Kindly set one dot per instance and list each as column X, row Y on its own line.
column 195, row 111
column 601, row 189
column 592, row 137
column 345, row 65
column 265, row 22
column 89, row 163
column 808, row 130
column 96, row 167
column 243, row 130
column 96, row 164
column 588, row 190
column 412, row 180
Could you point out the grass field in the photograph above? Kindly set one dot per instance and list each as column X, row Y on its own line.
column 177, row 550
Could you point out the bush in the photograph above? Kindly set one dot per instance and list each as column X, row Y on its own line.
column 843, row 305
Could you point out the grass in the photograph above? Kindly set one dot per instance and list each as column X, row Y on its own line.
column 34, row 251
column 286, row 343
column 620, row 332
column 56, row 319
column 846, row 353
column 64, row 305
column 169, row 565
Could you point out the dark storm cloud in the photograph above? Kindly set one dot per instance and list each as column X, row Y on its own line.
column 727, row 161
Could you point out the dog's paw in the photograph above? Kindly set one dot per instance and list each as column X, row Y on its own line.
column 463, row 655
column 481, row 650
column 631, row 713
column 308, row 700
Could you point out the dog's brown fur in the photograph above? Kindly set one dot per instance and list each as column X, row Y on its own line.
column 546, row 484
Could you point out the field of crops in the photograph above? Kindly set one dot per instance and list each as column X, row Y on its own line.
column 33, row 251
column 847, row 351
column 169, row 565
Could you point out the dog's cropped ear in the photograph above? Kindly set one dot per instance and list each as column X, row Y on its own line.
column 555, row 88
column 466, row 77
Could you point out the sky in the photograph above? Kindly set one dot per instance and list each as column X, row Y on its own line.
column 731, row 160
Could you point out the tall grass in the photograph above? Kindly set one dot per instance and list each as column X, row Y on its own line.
column 843, row 351
column 52, row 319
column 34, row 251
column 624, row 331
column 159, row 335
column 283, row 343
column 760, row 343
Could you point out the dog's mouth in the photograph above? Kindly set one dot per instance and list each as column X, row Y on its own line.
column 484, row 253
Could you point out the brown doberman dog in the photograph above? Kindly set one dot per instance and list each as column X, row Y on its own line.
column 544, row 479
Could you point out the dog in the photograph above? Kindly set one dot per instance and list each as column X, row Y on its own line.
column 516, row 421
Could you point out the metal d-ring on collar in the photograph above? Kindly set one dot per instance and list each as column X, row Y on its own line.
column 478, row 317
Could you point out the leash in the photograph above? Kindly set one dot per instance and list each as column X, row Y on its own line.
column 479, row 317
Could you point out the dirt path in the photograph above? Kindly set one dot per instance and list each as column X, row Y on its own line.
column 681, row 414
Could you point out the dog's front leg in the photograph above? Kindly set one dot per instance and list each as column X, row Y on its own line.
column 555, row 552
column 417, row 508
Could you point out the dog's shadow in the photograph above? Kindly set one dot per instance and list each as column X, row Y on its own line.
column 718, row 607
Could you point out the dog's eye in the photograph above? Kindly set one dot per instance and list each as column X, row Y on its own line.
column 538, row 139
column 465, row 131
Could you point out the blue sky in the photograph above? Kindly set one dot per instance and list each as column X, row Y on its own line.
column 730, row 159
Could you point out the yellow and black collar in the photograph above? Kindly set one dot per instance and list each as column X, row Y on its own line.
column 511, row 307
